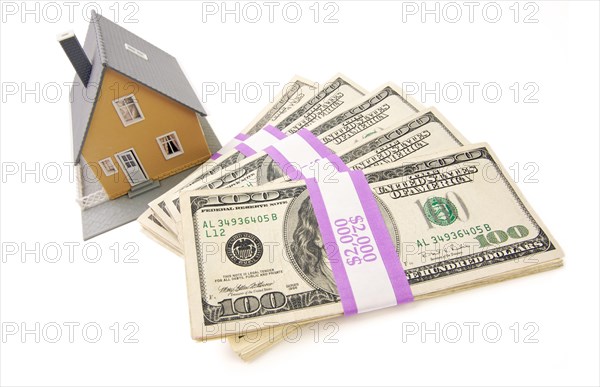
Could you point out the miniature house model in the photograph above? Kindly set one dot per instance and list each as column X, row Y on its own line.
column 136, row 123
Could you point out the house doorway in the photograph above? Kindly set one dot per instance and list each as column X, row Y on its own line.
column 130, row 163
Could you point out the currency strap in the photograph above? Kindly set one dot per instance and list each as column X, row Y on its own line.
column 302, row 155
column 362, row 255
column 260, row 140
column 365, row 264
column 249, row 145
column 240, row 137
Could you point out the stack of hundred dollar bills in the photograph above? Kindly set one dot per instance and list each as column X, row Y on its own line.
column 334, row 201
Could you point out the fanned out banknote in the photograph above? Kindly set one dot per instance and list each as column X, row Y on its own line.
column 421, row 134
column 255, row 259
column 371, row 114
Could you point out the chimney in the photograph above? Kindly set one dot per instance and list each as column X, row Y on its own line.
column 76, row 55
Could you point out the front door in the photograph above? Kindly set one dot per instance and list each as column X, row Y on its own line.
column 132, row 167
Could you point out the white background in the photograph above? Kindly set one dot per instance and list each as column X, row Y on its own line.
column 372, row 43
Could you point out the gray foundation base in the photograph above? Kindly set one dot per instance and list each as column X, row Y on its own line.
column 114, row 213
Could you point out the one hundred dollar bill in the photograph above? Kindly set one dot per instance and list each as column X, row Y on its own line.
column 293, row 95
column 421, row 134
column 255, row 256
column 337, row 94
column 374, row 113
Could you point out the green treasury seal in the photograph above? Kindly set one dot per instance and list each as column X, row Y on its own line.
column 440, row 211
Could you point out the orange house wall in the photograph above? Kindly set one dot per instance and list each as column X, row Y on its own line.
column 108, row 136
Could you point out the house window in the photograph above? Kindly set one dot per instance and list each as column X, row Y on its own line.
column 128, row 109
column 136, row 51
column 108, row 167
column 169, row 145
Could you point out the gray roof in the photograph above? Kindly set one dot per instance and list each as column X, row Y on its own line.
column 105, row 47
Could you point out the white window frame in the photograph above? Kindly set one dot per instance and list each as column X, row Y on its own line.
column 135, row 51
column 137, row 106
column 160, row 145
column 107, row 172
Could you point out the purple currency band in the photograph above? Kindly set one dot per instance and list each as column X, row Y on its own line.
column 383, row 240
column 241, row 136
column 339, row 165
column 314, row 142
column 278, row 134
column 289, row 166
column 245, row 149
column 255, row 144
